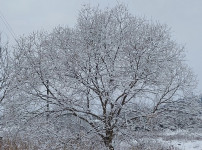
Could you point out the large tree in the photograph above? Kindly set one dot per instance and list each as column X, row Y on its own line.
column 101, row 71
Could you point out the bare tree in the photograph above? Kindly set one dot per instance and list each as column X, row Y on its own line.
column 101, row 70
column 4, row 69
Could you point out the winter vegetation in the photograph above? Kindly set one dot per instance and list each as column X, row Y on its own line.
column 114, row 81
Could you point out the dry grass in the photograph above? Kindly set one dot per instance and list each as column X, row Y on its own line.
column 22, row 144
column 142, row 144
column 17, row 144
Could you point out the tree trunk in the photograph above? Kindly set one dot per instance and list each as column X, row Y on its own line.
column 108, row 139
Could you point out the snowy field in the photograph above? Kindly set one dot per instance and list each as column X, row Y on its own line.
column 187, row 145
column 168, row 140
column 184, row 140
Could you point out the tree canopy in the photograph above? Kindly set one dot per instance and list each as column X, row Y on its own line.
column 109, row 70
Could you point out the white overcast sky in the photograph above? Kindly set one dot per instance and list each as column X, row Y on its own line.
column 183, row 16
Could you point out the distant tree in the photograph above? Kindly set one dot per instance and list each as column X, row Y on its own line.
column 181, row 114
column 4, row 69
column 101, row 71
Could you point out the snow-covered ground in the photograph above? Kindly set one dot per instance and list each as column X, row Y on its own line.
column 183, row 140
column 168, row 140
column 187, row 145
